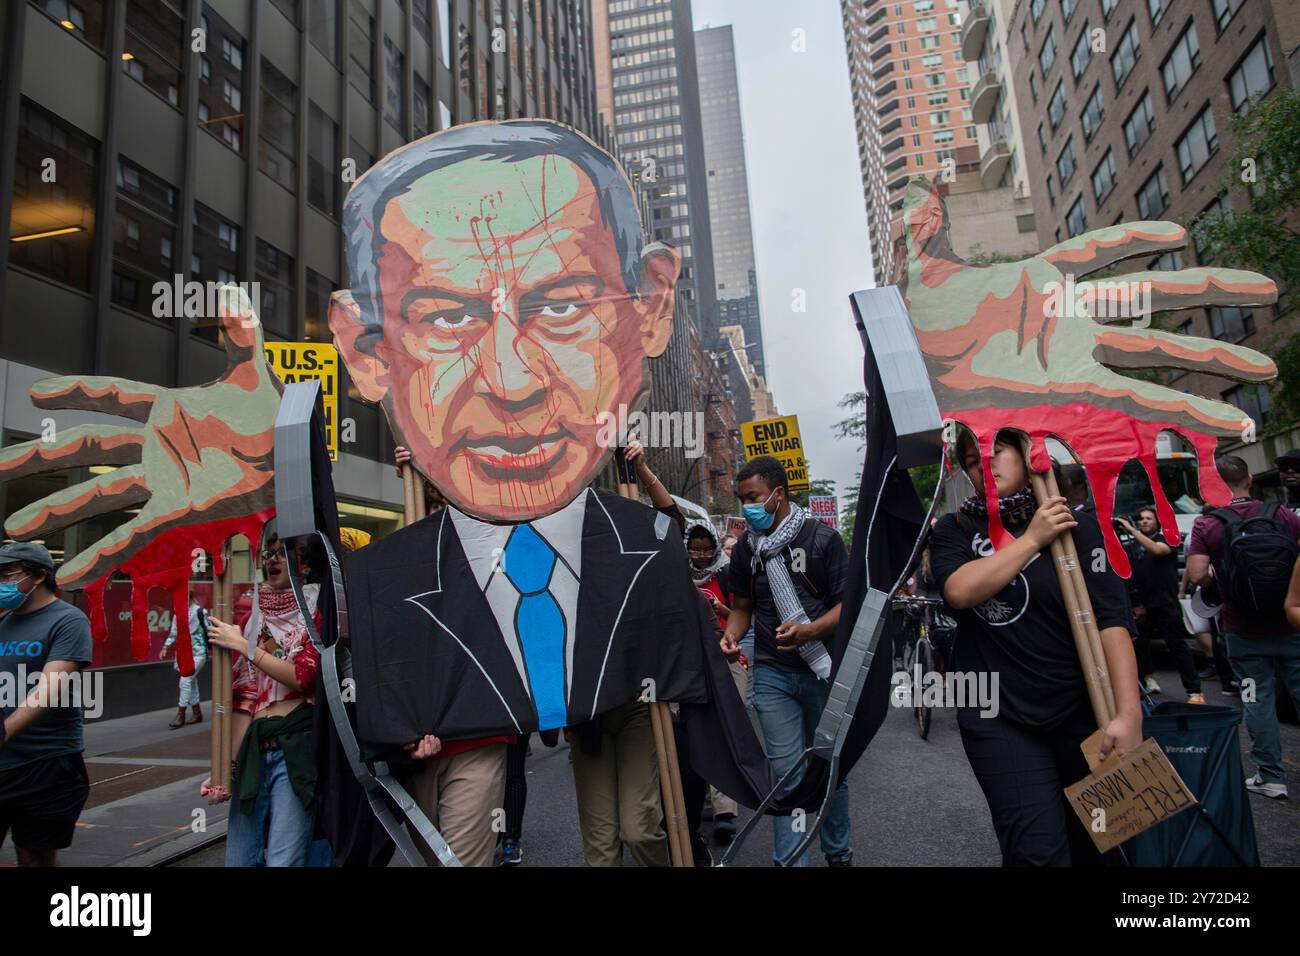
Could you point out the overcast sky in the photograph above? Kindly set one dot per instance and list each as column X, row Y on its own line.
column 810, row 221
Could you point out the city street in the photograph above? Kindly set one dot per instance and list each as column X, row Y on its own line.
column 913, row 802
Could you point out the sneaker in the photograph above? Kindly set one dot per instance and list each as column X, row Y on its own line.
column 512, row 854
column 724, row 828
column 1207, row 673
column 1195, row 698
column 1151, row 686
column 840, row 861
column 1231, row 689
column 1275, row 791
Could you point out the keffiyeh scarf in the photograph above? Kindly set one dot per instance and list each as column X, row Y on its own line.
column 768, row 548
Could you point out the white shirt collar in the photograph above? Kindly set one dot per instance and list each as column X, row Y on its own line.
column 561, row 530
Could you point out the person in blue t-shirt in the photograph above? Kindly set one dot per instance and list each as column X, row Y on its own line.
column 44, row 642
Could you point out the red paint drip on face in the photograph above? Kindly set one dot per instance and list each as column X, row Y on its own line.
column 1103, row 440
column 167, row 562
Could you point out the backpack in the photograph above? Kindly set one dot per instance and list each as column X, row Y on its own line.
column 1258, row 558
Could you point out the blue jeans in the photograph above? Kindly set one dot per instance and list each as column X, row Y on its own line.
column 789, row 706
column 1258, row 659
column 285, row 841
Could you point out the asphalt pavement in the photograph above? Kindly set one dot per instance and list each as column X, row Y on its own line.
column 912, row 802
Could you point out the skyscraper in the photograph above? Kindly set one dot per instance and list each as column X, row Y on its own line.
column 910, row 91
column 649, row 94
column 728, row 181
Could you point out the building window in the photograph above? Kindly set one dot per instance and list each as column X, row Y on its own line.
column 323, row 27
column 82, row 18
column 275, row 275
column 1224, row 11
column 361, row 50
column 1153, row 197
column 1253, row 75
column 1033, row 86
column 1254, row 400
column 422, row 19
column 1051, row 192
column 1067, row 10
column 221, row 107
column 1082, row 52
column 317, row 307
column 143, row 237
column 1181, row 62
column 422, row 103
column 278, row 143
column 1042, row 140
column 216, row 259
column 1065, row 163
column 394, row 85
column 322, row 160
column 1108, row 7
column 1093, row 113
column 1231, row 324
column 155, row 41
column 1076, row 222
column 1056, row 106
column 1197, row 145
column 1036, row 9
column 444, row 32
column 1025, row 223
column 1047, row 53
column 1140, row 123
column 1157, row 8
column 1103, row 177
column 51, row 224
column 1126, row 55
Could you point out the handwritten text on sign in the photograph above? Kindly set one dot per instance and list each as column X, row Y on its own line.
column 1128, row 795
column 778, row 437
column 304, row 361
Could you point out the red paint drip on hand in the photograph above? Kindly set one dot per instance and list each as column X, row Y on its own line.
column 167, row 562
column 1103, row 440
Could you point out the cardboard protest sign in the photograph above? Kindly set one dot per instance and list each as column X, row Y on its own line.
column 304, row 361
column 735, row 526
column 778, row 437
column 1128, row 794
column 826, row 509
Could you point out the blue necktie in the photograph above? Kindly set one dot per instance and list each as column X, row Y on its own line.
column 528, row 562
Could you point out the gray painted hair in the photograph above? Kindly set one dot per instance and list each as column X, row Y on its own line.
column 511, row 141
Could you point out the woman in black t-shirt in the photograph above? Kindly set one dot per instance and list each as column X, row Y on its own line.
column 1013, row 627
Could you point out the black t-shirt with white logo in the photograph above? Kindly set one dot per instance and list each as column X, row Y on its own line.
column 1023, row 633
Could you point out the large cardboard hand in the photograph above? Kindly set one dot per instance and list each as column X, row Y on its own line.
column 1026, row 345
column 1011, row 335
column 199, row 454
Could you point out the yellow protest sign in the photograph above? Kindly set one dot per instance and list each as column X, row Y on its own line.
column 304, row 361
column 778, row 437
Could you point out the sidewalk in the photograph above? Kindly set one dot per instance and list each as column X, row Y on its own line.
column 144, row 803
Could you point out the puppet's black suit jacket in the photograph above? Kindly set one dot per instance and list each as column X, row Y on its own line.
column 429, row 658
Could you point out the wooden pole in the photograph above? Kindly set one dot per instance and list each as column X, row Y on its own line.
column 409, row 494
column 1078, row 607
column 670, row 776
column 1085, row 605
column 222, row 742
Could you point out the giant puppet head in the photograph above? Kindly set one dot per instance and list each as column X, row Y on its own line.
column 503, row 305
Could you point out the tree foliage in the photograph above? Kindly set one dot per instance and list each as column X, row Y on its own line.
column 1265, row 171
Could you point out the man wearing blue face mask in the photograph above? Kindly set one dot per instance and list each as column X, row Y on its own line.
column 43, row 643
column 787, row 575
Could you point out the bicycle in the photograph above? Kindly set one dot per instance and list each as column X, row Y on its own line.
column 925, row 626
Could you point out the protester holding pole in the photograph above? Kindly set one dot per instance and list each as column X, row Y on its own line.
column 275, row 670
column 1014, row 622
